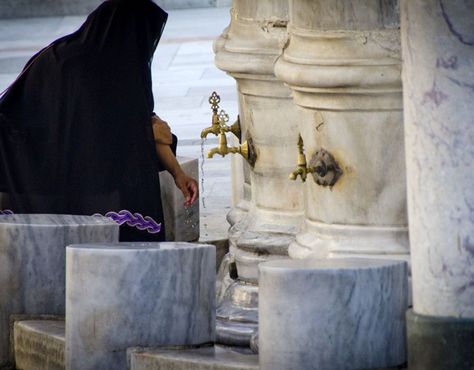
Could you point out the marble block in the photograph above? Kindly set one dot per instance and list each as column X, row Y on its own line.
column 136, row 295
column 181, row 224
column 205, row 358
column 32, row 262
column 332, row 314
column 39, row 344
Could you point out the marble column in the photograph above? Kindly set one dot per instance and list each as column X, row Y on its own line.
column 136, row 295
column 248, row 50
column 32, row 263
column 332, row 314
column 344, row 67
column 438, row 53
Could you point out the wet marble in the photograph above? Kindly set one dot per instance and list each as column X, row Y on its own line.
column 332, row 314
column 182, row 223
column 32, row 262
column 136, row 295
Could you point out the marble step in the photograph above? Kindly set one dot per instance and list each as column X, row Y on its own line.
column 205, row 358
column 39, row 345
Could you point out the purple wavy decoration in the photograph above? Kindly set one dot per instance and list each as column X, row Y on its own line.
column 136, row 220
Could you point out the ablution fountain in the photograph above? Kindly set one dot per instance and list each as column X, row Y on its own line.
column 351, row 235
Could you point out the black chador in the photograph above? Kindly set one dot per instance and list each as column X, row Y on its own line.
column 75, row 127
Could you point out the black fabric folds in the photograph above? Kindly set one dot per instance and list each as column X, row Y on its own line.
column 75, row 127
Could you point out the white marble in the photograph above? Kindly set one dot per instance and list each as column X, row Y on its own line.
column 136, row 294
column 332, row 314
column 343, row 64
column 263, row 221
column 39, row 344
column 438, row 48
column 181, row 223
column 32, row 262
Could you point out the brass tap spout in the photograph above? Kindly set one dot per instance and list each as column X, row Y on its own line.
column 223, row 149
column 302, row 170
column 214, row 100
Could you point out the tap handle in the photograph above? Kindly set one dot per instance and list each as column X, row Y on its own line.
column 214, row 100
column 223, row 119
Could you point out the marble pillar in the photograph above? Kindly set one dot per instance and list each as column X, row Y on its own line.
column 344, row 67
column 248, row 50
column 32, row 263
column 438, row 53
column 332, row 314
column 136, row 295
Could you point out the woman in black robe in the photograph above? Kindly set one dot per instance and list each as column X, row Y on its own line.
column 75, row 127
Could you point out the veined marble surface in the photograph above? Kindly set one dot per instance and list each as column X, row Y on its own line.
column 332, row 314
column 32, row 262
column 136, row 294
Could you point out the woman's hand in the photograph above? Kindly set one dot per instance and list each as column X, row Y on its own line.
column 188, row 186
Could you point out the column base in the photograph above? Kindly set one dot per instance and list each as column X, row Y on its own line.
column 237, row 315
column 439, row 343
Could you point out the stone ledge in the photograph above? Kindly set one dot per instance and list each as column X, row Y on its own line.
column 206, row 358
column 39, row 344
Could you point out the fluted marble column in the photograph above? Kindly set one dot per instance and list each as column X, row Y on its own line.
column 438, row 53
column 343, row 64
column 248, row 50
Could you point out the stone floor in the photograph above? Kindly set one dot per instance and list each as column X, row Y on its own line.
column 184, row 76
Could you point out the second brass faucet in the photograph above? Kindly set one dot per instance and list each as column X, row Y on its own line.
column 223, row 149
column 302, row 170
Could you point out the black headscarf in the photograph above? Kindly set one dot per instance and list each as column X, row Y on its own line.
column 75, row 129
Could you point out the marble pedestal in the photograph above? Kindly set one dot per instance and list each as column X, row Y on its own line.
column 439, row 343
column 32, row 263
column 136, row 294
column 332, row 314
column 182, row 224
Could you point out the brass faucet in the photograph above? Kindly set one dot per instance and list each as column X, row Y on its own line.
column 302, row 170
column 223, row 149
column 323, row 166
column 215, row 128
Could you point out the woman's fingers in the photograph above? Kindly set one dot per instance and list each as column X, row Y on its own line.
column 193, row 187
column 189, row 187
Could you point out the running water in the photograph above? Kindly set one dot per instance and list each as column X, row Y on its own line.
column 188, row 215
column 203, row 201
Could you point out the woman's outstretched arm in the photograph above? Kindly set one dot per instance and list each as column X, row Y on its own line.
column 188, row 186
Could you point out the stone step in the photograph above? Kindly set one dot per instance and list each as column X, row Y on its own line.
column 39, row 345
column 205, row 358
